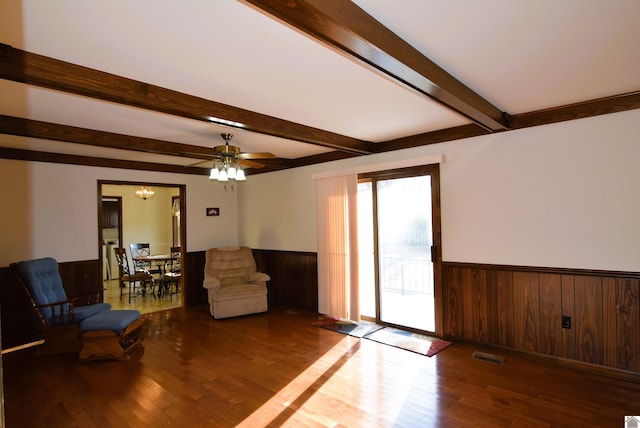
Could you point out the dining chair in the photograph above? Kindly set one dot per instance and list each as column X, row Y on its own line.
column 172, row 274
column 133, row 278
column 143, row 249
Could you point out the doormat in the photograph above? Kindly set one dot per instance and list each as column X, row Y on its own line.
column 352, row 328
column 414, row 342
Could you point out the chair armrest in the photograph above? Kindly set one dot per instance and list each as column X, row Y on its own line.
column 61, row 312
column 88, row 297
column 210, row 283
column 258, row 277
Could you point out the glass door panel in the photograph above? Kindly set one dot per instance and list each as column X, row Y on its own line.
column 366, row 255
column 405, row 237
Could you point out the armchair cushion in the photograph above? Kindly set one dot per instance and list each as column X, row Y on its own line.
column 238, row 292
column 81, row 313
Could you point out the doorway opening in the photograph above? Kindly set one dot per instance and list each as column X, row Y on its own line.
column 126, row 219
column 398, row 241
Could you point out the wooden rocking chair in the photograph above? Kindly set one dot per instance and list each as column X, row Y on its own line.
column 80, row 324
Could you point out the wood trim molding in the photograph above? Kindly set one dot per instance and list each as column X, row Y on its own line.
column 547, row 270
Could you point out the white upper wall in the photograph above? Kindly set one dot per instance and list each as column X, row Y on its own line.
column 561, row 195
column 52, row 210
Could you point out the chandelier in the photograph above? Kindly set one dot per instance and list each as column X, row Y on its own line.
column 145, row 192
column 226, row 166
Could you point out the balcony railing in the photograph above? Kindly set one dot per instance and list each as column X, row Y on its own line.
column 407, row 275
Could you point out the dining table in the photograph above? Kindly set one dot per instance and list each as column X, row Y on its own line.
column 159, row 259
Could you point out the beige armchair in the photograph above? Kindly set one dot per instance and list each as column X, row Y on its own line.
column 233, row 283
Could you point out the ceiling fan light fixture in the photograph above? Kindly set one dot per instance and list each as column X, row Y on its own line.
column 231, row 172
column 240, row 175
column 228, row 161
column 214, row 174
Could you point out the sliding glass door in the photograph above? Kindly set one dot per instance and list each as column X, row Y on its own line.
column 398, row 247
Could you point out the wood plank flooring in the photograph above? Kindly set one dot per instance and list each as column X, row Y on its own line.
column 276, row 369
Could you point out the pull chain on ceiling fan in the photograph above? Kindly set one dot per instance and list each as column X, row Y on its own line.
column 229, row 161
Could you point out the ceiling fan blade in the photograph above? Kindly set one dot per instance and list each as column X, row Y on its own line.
column 256, row 155
column 250, row 164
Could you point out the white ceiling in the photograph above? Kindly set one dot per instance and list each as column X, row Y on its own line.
column 520, row 55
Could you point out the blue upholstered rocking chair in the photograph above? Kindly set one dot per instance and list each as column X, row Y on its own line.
column 79, row 324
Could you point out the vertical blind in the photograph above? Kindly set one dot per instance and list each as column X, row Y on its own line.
column 338, row 246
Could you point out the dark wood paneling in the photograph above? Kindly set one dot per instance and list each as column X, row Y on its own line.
column 550, row 316
column 621, row 315
column 504, row 308
column 527, row 313
column 453, row 306
column 568, row 309
column 193, row 273
column 526, row 307
column 476, row 305
column 294, row 277
column 588, row 321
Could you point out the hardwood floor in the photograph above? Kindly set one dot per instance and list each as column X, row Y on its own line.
column 144, row 303
column 276, row 369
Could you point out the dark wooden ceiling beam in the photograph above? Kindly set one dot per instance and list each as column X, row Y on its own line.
column 579, row 110
column 25, row 67
column 433, row 137
column 50, row 131
column 39, row 156
column 343, row 25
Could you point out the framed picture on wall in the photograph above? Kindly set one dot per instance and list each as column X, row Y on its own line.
column 213, row 212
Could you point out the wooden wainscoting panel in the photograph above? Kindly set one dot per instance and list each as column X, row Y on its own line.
column 192, row 276
column 491, row 312
column 81, row 276
column 477, row 299
column 294, row 277
column 521, row 307
column 526, row 307
column 588, row 322
column 453, row 306
column 550, row 317
column 621, row 302
column 567, row 282
column 610, row 291
column 505, row 316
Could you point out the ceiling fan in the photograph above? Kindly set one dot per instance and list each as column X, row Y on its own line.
column 228, row 160
column 230, row 154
